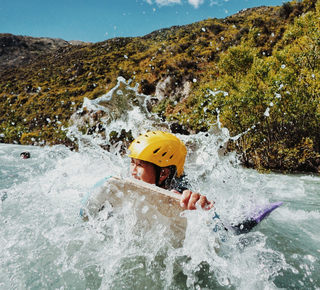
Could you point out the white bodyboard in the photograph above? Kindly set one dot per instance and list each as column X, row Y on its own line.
column 151, row 203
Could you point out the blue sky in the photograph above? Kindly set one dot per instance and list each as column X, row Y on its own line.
column 98, row 20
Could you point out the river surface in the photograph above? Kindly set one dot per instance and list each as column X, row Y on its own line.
column 44, row 244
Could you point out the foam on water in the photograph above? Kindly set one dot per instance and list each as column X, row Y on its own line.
column 45, row 245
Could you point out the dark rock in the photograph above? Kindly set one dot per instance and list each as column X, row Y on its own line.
column 178, row 128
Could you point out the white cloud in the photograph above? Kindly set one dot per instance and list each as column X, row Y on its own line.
column 218, row 3
column 195, row 3
column 167, row 2
column 164, row 2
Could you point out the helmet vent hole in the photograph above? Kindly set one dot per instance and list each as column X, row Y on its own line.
column 164, row 153
column 171, row 156
column 155, row 151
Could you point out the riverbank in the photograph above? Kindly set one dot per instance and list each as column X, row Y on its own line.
column 256, row 71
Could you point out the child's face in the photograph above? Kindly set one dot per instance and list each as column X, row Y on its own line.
column 143, row 170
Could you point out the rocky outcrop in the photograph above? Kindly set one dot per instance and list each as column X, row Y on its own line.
column 169, row 87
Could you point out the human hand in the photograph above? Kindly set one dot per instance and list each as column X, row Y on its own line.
column 189, row 200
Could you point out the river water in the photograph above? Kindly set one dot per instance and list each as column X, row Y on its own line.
column 44, row 244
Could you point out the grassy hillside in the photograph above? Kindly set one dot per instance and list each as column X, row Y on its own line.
column 263, row 61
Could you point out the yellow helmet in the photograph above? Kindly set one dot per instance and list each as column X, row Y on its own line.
column 160, row 148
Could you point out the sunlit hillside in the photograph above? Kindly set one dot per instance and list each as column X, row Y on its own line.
column 257, row 69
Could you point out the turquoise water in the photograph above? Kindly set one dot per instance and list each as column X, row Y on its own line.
column 45, row 245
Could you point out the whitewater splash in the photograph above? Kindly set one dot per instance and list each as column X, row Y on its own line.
column 121, row 109
column 45, row 244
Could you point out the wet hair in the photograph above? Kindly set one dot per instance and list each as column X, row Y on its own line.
column 169, row 182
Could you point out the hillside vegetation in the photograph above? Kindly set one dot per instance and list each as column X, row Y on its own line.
column 257, row 69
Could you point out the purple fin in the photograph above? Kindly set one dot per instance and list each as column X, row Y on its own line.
column 255, row 217
column 263, row 212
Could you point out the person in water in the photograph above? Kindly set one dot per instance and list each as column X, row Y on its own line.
column 158, row 158
column 25, row 155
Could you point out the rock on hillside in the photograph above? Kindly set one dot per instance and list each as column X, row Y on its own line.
column 21, row 50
